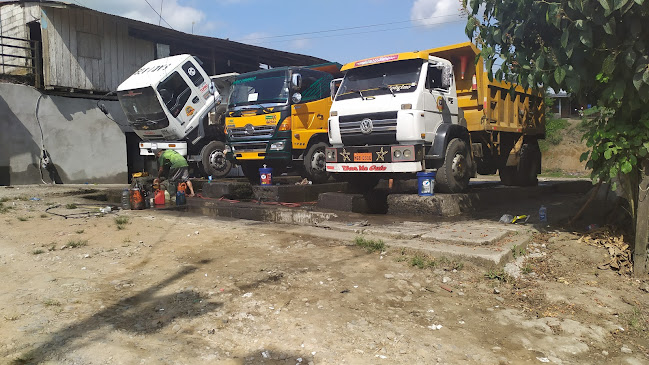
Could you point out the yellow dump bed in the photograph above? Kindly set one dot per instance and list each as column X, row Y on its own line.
column 488, row 106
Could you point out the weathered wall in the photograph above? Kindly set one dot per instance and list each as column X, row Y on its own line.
column 83, row 49
column 84, row 145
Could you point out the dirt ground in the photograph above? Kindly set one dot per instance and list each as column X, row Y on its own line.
column 162, row 287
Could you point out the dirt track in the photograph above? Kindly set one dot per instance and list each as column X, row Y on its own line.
column 172, row 289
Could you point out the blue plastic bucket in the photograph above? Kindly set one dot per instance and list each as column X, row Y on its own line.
column 426, row 183
column 266, row 175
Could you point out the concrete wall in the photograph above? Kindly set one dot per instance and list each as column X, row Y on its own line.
column 84, row 145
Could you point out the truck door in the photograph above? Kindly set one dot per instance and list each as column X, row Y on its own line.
column 441, row 98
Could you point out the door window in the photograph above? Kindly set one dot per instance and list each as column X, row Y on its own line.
column 192, row 73
column 174, row 92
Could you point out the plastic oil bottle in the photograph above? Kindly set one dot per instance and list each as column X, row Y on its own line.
column 543, row 214
column 126, row 200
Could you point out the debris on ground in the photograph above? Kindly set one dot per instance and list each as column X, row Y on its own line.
column 618, row 250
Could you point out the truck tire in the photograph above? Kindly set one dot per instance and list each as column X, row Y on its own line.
column 454, row 174
column 315, row 167
column 251, row 172
column 525, row 174
column 213, row 159
column 529, row 164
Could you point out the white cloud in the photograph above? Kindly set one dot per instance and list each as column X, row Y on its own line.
column 180, row 17
column 298, row 44
column 430, row 13
column 256, row 38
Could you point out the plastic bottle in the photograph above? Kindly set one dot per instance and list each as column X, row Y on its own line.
column 126, row 202
column 167, row 197
column 543, row 214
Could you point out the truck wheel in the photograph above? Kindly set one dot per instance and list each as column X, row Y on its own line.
column 213, row 159
column 508, row 175
column 251, row 172
column 529, row 165
column 315, row 163
column 454, row 174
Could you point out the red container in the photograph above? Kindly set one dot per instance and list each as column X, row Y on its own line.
column 159, row 198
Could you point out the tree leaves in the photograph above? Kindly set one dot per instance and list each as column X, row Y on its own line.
column 559, row 74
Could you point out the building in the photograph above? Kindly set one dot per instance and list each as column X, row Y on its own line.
column 57, row 60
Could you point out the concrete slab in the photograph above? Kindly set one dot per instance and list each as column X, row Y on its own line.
column 342, row 201
column 295, row 193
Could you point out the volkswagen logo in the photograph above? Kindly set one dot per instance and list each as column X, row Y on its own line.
column 250, row 129
column 366, row 126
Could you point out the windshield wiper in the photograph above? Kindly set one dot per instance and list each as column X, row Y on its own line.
column 263, row 108
column 386, row 87
column 359, row 93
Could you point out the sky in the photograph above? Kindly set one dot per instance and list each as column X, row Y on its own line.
column 336, row 30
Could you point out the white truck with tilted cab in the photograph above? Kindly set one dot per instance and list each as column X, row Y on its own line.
column 171, row 103
column 434, row 110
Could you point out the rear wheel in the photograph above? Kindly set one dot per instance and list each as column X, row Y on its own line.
column 529, row 164
column 315, row 163
column 454, row 174
column 213, row 161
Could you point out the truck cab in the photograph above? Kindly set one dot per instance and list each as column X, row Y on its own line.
column 387, row 114
column 432, row 111
column 167, row 102
column 278, row 118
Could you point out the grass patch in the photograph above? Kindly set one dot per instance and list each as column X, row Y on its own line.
column 80, row 231
column 518, row 251
column 121, row 222
column 527, row 269
column 71, row 206
column 4, row 199
column 369, row 245
column 22, row 219
column 422, row 262
column 43, row 215
column 4, row 209
column 52, row 303
column 497, row 274
column 38, row 252
column 77, row 243
column 637, row 320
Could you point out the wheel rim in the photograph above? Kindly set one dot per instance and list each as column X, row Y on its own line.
column 458, row 167
column 318, row 161
column 217, row 160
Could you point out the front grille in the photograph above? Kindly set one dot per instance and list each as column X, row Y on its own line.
column 250, row 131
column 384, row 128
column 249, row 147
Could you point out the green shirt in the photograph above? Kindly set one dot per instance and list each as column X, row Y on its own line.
column 172, row 159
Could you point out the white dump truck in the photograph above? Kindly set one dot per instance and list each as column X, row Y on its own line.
column 434, row 110
column 171, row 103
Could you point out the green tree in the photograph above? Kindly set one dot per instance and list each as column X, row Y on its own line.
column 599, row 51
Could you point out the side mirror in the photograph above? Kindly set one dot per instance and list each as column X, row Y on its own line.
column 212, row 88
column 296, row 81
column 296, row 98
column 334, row 85
column 447, row 77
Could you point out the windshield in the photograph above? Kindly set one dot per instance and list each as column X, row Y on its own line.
column 384, row 78
column 142, row 109
column 263, row 88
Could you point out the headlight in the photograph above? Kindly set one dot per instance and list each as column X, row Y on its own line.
column 397, row 154
column 407, row 153
column 277, row 146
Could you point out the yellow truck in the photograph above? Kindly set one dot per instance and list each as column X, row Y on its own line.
column 278, row 118
column 433, row 110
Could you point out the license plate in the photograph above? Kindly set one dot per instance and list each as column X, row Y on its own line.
column 363, row 157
